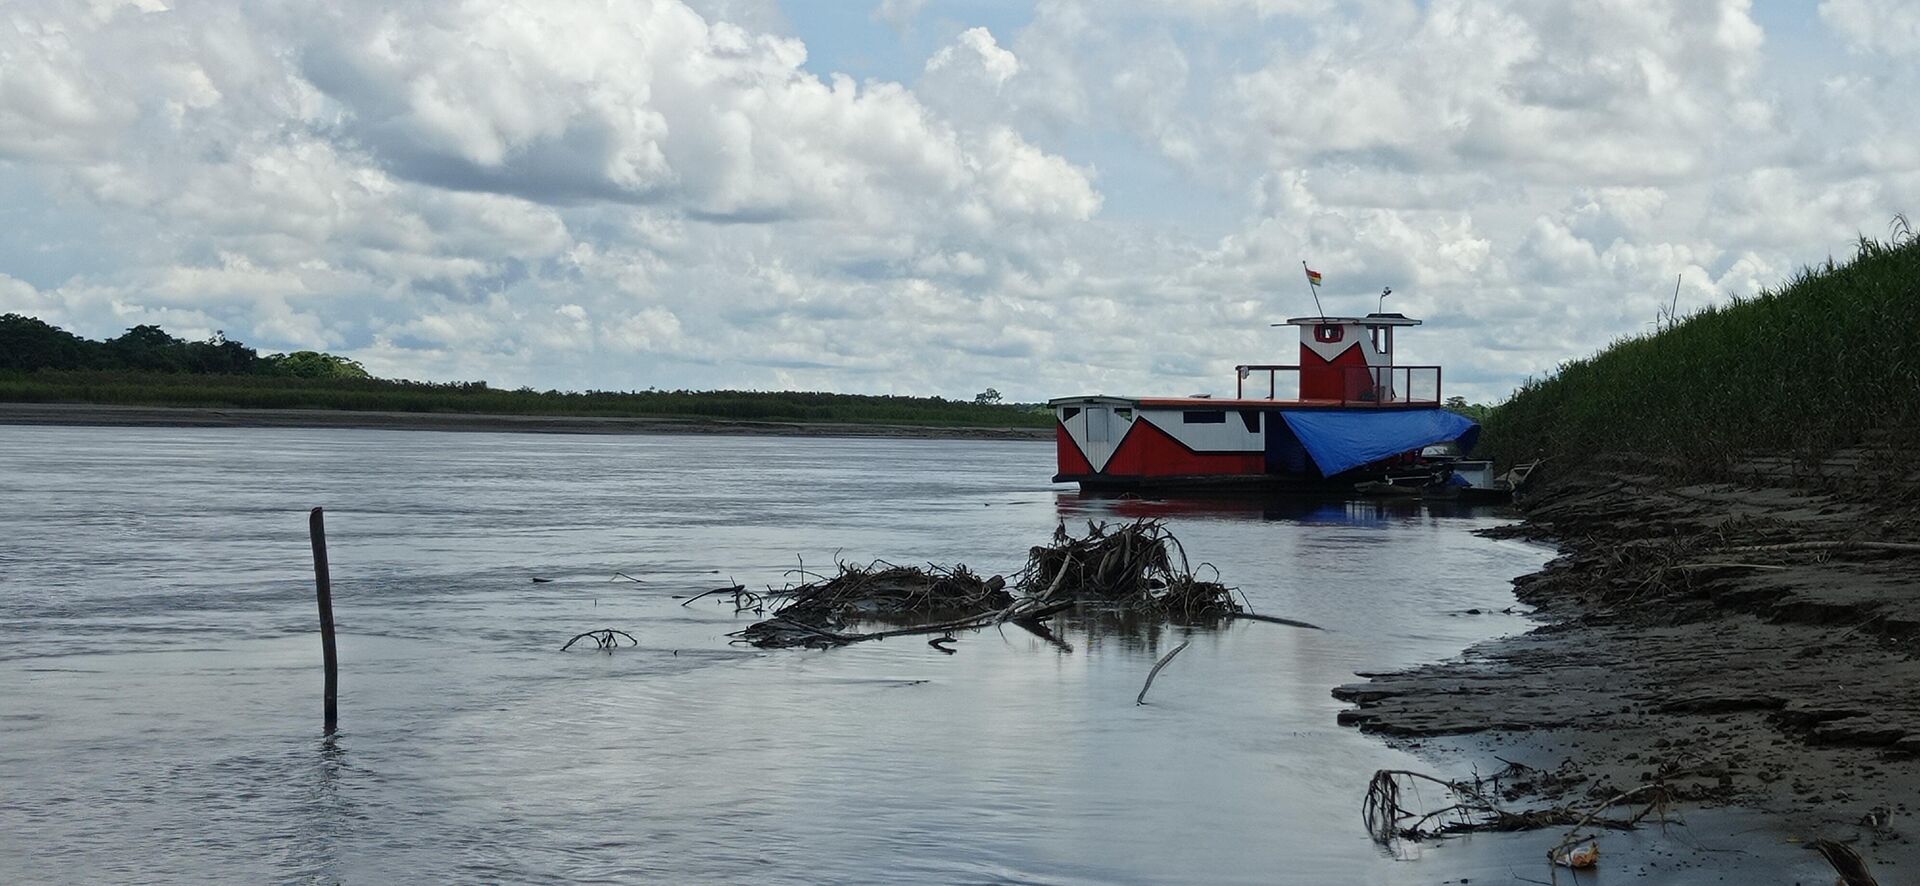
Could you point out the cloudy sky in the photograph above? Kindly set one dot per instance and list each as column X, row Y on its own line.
column 932, row 196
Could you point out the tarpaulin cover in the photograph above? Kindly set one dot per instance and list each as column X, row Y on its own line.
column 1341, row 440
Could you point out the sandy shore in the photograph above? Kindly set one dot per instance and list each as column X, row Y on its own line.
column 165, row 416
column 1750, row 644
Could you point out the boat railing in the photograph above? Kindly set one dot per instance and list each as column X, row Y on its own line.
column 1358, row 385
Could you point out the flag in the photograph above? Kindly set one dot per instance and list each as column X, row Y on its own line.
column 1313, row 276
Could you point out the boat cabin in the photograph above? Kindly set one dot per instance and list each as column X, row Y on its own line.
column 1346, row 361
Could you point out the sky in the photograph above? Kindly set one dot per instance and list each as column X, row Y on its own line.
column 934, row 197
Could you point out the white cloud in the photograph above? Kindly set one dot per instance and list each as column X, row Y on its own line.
column 1889, row 26
column 899, row 14
column 1111, row 196
column 1642, row 88
column 975, row 49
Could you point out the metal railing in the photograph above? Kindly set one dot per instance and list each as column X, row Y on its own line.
column 1353, row 386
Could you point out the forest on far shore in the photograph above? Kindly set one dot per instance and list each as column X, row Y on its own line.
column 29, row 344
column 146, row 366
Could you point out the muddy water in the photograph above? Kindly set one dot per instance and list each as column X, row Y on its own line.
column 159, row 681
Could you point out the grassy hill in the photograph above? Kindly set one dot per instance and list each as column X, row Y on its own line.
column 1802, row 369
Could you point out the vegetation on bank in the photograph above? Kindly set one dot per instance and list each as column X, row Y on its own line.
column 40, row 363
column 28, row 344
column 1802, row 369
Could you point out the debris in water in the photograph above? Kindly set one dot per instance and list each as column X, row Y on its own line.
column 939, row 600
column 882, row 590
column 1470, row 805
column 743, row 599
column 1142, row 697
column 1139, row 567
column 1132, row 567
column 1846, row 862
column 1578, row 857
column 1271, row 619
column 606, row 639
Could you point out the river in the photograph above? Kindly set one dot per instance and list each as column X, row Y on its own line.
column 160, row 681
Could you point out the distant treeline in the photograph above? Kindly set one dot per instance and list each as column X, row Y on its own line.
column 147, row 367
column 28, row 344
column 1803, row 369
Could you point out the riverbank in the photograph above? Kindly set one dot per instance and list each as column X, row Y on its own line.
column 87, row 414
column 1750, row 643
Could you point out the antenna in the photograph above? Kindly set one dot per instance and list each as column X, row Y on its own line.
column 1384, row 292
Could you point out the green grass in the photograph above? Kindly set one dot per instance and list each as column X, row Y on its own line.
column 271, row 392
column 1803, row 369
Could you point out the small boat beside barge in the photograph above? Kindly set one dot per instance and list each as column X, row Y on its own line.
column 1343, row 416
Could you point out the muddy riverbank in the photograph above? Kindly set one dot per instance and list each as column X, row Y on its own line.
column 202, row 417
column 1751, row 643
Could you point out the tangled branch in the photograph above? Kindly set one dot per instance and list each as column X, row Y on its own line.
column 606, row 639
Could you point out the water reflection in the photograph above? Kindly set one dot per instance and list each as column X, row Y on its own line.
column 1272, row 509
column 1096, row 629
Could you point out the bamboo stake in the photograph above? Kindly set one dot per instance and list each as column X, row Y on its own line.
column 323, row 592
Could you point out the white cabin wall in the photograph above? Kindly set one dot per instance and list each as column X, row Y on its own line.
column 1354, row 336
column 1084, row 433
column 1229, row 436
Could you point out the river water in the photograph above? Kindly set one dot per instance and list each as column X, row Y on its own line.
column 160, row 680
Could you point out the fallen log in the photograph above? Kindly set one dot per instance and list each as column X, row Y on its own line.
column 1896, row 546
column 1273, row 619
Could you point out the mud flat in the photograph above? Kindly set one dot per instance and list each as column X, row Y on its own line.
column 177, row 417
column 1751, row 643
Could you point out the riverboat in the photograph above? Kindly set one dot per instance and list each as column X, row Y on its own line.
column 1345, row 415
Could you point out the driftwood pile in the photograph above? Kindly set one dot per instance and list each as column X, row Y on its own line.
column 1138, row 567
column 884, row 591
column 1473, row 805
column 1133, row 567
column 1393, row 810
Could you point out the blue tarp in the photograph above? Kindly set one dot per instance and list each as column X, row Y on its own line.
column 1344, row 439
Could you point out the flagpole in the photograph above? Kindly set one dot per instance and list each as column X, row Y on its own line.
column 1312, row 290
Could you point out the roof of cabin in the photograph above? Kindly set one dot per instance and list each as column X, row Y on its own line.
column 1227, row 403
column 1368, row 320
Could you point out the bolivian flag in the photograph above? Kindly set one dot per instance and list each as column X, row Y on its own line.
column 1313, row 276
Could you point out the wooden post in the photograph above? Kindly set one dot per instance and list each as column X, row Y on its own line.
column 323, row 590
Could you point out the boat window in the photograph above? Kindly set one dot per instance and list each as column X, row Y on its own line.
column 1069, row 412
column 1124, row 414
column 1204, row 417
column 1325, row 334
column 1251, row 418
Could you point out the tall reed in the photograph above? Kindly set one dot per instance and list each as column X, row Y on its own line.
column 1801, row 369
